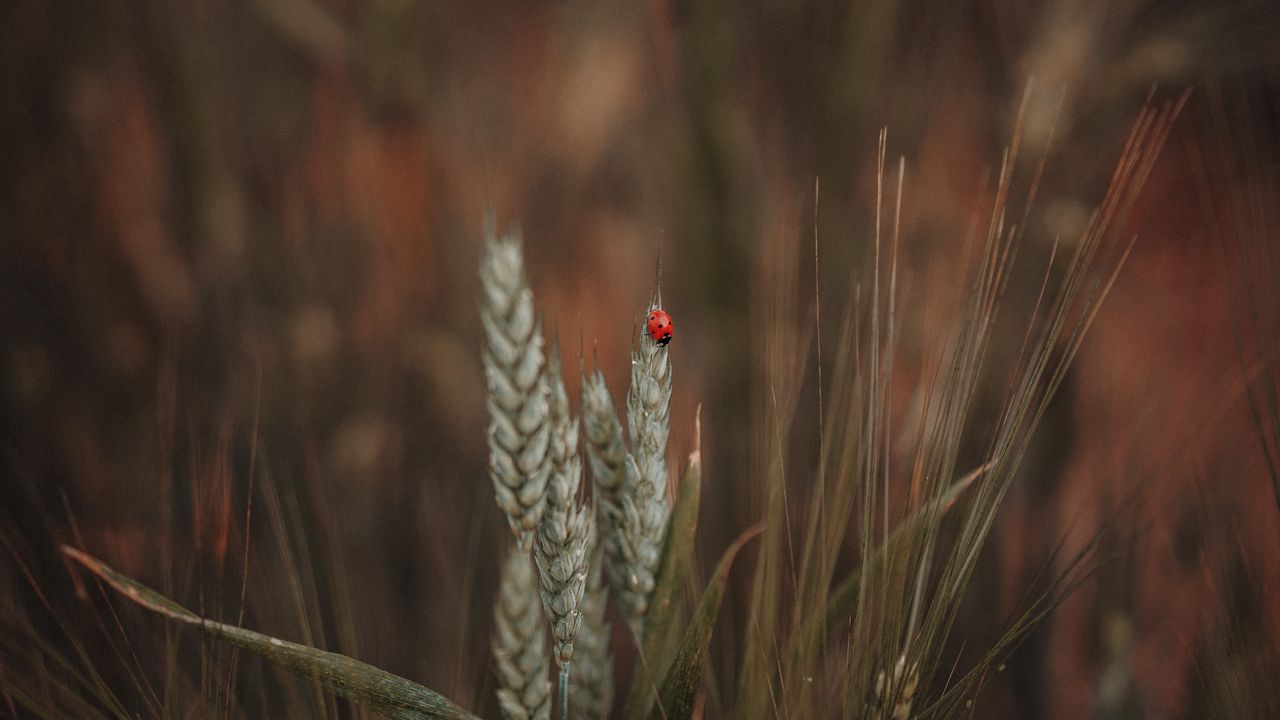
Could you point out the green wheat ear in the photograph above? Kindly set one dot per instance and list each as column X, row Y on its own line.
column 519, row 431
column 519, row 642
column 591, row 687
column 607, row 452
column 631, row 484
column 645, row 507
column 561, row 547
column 521, row 464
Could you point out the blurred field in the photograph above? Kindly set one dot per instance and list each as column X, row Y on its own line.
column 238, row 252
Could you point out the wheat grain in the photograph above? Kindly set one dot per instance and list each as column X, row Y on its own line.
column 518, row 431
column 519, row 642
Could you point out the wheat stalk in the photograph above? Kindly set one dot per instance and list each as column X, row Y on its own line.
column 519, row 642
column 518, row 430
column 561, row 549
column 645, row 508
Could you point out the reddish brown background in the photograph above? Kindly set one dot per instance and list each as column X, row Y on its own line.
column 244, row 236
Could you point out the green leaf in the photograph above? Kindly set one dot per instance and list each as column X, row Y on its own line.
column 378, row 690
column 841, row 602
column 655, row 655
column 680, row 688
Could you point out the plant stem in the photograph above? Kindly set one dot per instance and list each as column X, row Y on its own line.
column 564, row 691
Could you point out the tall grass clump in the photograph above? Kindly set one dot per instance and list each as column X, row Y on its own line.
column 869, row 637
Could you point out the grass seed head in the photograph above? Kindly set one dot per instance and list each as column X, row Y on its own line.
column 519, row 642
column 561, row 549
column 645, row 507
column 519, row 431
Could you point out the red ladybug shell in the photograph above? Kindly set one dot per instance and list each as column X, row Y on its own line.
column 660, row 327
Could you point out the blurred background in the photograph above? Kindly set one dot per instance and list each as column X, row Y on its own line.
column 238, row 264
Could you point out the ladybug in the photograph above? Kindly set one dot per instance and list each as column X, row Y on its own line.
column 660, row 327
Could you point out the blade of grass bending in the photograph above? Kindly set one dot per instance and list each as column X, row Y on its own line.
column 672, row 569
column 681, row 685
column 843, row 599
column 365, row 685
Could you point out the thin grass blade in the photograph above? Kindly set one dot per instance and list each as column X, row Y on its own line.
column 844, row 598
column 684, row 680
column 378, row 690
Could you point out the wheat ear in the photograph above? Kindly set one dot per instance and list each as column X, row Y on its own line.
column 519, row 642
column 645, row 508
column 518, row 429
column 561, row 549
column 591, row 688
column 607, row 453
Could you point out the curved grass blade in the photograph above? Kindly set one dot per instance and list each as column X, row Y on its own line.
column 841, row 603
column 365, row 685
column 672, row 569
column 680, row 688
